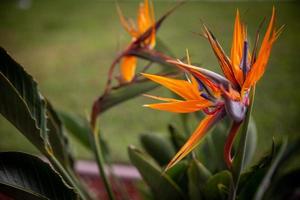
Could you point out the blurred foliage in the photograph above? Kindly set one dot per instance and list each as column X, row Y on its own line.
column 203, row 175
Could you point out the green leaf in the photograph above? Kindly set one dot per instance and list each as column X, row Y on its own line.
column 57, row 137
column 176, row 138
column 179, row 175
column 254, row 183
column 265, row 183
column 122, row 94
column 162, row 186
column 199, row 171
column 178, row 170
column 79, row 127
column 249, row 181
column 217, row 187
column 239, row 159
column 26, row 177
column 198, row 175
column 157, row 147
column 286, row 187
column 285, row 179
column 251, row 142
column 22, row 104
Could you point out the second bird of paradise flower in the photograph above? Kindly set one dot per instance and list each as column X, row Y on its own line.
column 145, row 20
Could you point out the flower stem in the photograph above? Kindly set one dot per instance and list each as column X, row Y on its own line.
column 100, row 162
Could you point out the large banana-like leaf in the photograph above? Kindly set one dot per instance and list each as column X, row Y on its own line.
column 23, row 105
column 57, row 137
column 26, row 177
column 162, row 186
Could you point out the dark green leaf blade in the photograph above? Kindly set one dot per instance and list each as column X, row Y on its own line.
column 23, row 105
column 176, row 138
column 266, row 181
column 255, row 182
column 26, row 177
column 77, row 126
column 217, row 186
column 157, row 147
column 162, row 186
column 58, row 138
column 251, row 141
column 21, row 102
column 198, row 175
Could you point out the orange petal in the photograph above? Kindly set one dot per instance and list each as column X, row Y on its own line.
column 183, row 88
column 127, row 26
column 239, row 36
column 128, row 66
column 258, row 68
column 195, row 72
column 181, row 106
column 195, row 138
column 231, row 93
column 161, row 98
column 194, row 81
column 222, row 58
column 152, row 39
column 145, row 20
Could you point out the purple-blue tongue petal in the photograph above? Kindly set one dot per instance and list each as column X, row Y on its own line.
column 244, row 62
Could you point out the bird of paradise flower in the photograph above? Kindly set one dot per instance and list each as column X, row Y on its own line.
column 145, row 21
column 214, row 94
column 142, row 44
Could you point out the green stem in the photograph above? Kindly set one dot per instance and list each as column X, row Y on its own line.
column 100, row 162
column 232, row 193
column 67, row 177
column 238, row 161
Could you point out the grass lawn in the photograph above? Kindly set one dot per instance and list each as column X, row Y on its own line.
column 68, row 47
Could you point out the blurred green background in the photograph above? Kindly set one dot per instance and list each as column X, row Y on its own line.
column 68, row 47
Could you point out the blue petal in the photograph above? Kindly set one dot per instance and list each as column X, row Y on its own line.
column 244, row 62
